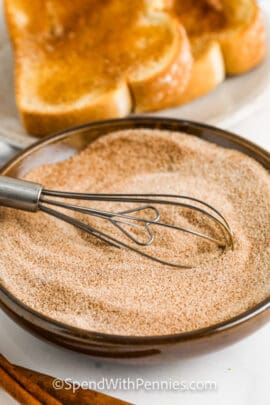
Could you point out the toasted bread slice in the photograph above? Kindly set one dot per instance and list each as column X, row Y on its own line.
column 236, row 25
column 208, row 70
column 244, row 41
column 77, row 61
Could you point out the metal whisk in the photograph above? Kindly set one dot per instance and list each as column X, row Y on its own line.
column 29, row 196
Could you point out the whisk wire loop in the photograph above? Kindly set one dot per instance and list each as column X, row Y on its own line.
column 32, row 197
column 124, row 218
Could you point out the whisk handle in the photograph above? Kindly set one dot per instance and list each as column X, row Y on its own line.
column 20, row 194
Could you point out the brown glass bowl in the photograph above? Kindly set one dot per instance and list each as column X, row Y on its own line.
column 144, row 349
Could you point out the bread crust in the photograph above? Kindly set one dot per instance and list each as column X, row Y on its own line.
column 165, row 89
column 208, row 71
column 117, row 103
column 245, row 48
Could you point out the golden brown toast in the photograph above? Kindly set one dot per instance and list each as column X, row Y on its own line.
column 226, row 36
column 208, row 70
column 77, row 61
column 236, row 25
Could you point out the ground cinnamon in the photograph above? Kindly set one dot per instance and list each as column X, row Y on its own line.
column 67, row 275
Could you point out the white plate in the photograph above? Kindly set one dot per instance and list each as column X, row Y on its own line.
column 232, row 101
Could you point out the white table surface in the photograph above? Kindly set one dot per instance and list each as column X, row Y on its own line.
column 241, row 371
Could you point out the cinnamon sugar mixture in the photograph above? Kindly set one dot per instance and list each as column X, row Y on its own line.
column 74, row 278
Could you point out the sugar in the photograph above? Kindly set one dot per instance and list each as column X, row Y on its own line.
column 71, row 277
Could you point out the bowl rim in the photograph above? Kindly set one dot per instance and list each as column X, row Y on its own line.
column 85, row 334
